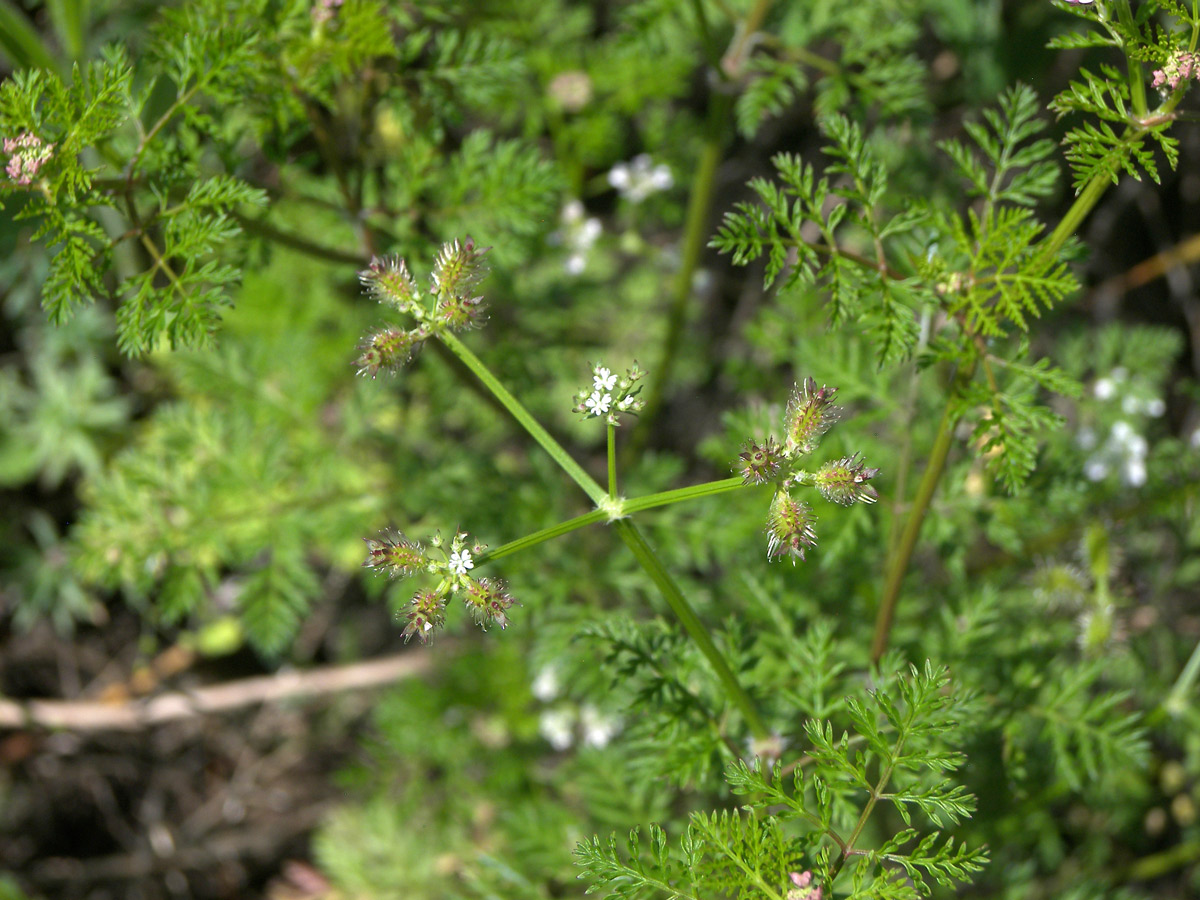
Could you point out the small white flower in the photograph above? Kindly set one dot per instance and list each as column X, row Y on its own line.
column 1095, row 469
column 1104, row 389
column 460, row 562
column 1085, row 438
column 1121, row 432
column 639, row 178
column 577, row 234
column 1133, row 471
column 557, row 726
column 1155, row 407
column 598, row 729
column 598, row 403
column 1131, row 405
column 1120, row 373
column 603, row 379
column 1195, row 439
column 545, row 685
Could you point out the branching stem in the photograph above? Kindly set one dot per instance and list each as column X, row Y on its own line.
column 627, row 531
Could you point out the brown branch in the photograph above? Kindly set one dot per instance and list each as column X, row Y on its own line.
column 136, row 715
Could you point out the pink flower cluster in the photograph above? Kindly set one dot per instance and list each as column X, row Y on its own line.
column 325, row 10
column 1179, row 68
column 27, row 155
column 804, row 888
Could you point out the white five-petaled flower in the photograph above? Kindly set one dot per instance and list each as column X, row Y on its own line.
column 460, row 562
column 603, row 379
column 598, row 404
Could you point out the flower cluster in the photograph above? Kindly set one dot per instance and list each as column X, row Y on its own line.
column 1123, row 449
column 1179, row 68
column 791, row 522
column 639, row 178
column 455, row 306
column 804, row 888
column 27, row 154
column 610, row 394
column 397, row 556
column 561, row 723
column 577, row 232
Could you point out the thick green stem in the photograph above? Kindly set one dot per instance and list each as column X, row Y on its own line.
column 898, row 562
column 691, row 623
column 694, row 237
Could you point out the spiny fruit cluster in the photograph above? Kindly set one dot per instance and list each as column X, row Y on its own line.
column 487, row 598
column 457, row 271
column 791, row 522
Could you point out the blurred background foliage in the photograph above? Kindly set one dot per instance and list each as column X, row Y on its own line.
column 215, row 496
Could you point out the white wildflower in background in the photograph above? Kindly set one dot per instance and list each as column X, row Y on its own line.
column 598, row 728
column 1195, row 439
column 576, row 233
column 639, row 178
column 1125, row 452
column 545, row 684
column 557, row 726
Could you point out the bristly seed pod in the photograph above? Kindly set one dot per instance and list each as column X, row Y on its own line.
column 810, row 412
column 790, row 528
column 488, row 600
column 390, row 282
column 845, row 480
column 388, row 349
column 459, row 267
column 460, row 313
column 759, row 463
column 394, row 554
column 426, row 614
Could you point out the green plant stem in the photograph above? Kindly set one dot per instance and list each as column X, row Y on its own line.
column 628, row 532
column 899, row 560
column 694, row 237
column 264, row 229
column 1157, row 865
column 612, row 460
column 540, row 537
column 565, row 461
column 635, row 504
column 1176, row 701
column 649, row 561
column 880, row 786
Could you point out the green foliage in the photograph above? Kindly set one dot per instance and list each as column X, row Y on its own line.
column 1095, row 149
column 201, row 198
column 898, row 754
